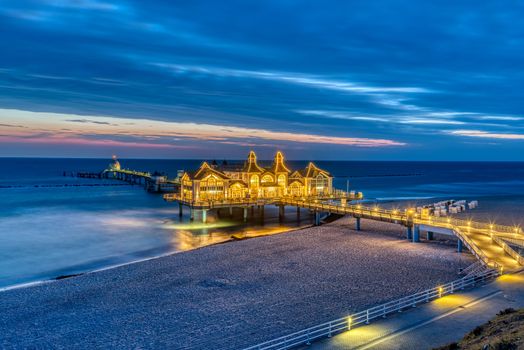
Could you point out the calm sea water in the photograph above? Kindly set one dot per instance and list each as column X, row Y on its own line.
column 53, row 225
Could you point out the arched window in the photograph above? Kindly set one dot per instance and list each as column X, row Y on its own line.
column 254, row 181
column 321, row 184
column 281, row 180
column 211, row 188
column 267, row 178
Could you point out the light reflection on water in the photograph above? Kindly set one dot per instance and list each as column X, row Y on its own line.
column 45, row 233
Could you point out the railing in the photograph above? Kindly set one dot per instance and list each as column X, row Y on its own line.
column 479, row 254
column 510, row 251
column 331, row 328
column 381, row 214
column 478, row 225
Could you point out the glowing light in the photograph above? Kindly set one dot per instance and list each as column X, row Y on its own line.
column 349, row 323
column 440, row 291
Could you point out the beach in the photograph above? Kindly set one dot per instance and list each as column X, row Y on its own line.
column 231, row 295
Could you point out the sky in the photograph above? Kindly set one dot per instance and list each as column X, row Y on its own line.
column 338, row 80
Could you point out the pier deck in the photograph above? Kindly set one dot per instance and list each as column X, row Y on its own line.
column 485, row 241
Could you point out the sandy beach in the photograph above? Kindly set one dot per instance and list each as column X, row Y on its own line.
column 228, row 296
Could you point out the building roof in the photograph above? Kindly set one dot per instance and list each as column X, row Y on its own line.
column 205, row 170
column 251, row 165
column 278, row 164
column 312, row 170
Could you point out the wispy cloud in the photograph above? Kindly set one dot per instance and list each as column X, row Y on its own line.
column 499, row 117
column 85, row 4
column 390, row 96
column 63, row 125
column 487, row 134
column 398, row 119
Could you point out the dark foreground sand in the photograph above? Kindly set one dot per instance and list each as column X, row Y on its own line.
column 228, row 296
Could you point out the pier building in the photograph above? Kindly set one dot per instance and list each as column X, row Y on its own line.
column 251, row 181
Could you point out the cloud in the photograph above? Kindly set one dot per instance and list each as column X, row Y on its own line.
column 84, row 4
column 487, row 134
column 429, row 121
column 383, row 95
column 147, row 129
column 398, row 119
column 87, row 121
column 499, row 117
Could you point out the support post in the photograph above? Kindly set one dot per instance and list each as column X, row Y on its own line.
column 191, row 214
column 409, row 232
column 262, row 212
column 429, row 236
column 416, row 234
column 204, row 216
column 281, row 212
column 317, row 218
column 459, row 246
column 357, row 223
column 245, row 214
column 180, row 210
column 231, row 211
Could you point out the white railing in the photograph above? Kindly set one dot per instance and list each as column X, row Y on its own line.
column 478, row 225
column 305, row 336
column 510, row 251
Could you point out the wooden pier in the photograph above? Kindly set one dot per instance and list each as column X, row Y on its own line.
column 485, row 241
column 151, row 182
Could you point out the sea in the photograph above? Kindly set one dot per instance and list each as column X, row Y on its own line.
column 54, row 225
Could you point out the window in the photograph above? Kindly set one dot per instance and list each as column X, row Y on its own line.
column 267, row 178
column 282, row 180
column 254, row 181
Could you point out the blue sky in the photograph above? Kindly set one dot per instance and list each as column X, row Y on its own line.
column 212, row 79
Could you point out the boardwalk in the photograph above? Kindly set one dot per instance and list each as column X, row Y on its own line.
column 484, row 240
column 441, row 322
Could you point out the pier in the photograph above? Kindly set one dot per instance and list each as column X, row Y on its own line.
column 251, row 188
column 150, row 182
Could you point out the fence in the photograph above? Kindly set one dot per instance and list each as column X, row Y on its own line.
column 305, row 336
column 510, row 251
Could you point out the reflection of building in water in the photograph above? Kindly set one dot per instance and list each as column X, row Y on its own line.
column 186, row 240
column 210, row 182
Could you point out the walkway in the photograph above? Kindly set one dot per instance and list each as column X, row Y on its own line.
column 441, row 322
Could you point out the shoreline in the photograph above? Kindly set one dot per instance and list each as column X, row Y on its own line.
column 231, row 295
column 231, row 239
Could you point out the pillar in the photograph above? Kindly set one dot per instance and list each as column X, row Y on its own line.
column 459, row 246
column 409, row 232
column 416, row 234
column 298, row 213
column 180, row 210
column 429, row 236
column 245, row 214
column 357, row 223
column 191, row 214
column 262, row 212
column 204, row 216
column 281, row 212
column 231, row 211
column 317, row 218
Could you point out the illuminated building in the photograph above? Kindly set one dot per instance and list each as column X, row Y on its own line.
column 252, row 181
